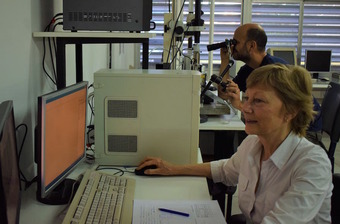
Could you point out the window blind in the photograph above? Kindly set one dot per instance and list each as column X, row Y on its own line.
column 321, row 30
column 227, row 17
column 311, row 26
column 287, row 24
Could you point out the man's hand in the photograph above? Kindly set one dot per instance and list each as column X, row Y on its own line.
column 231, row 94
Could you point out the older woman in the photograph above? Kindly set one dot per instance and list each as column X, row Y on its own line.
column 281, row 177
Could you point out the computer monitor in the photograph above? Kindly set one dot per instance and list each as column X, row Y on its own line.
column 141, row 113
column 287, row 54
column 318, row 60
column 9, row 168
column 60, row 141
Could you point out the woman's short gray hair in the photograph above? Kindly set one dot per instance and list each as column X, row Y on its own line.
column 293, row 86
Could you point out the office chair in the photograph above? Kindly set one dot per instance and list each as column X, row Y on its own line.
column 330, row 113
column 336, row 199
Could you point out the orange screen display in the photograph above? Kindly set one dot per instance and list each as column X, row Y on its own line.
column 65, row 121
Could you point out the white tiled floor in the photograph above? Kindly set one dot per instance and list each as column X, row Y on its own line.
column 325, row 139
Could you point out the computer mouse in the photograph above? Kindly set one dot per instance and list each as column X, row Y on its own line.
column 141, row 171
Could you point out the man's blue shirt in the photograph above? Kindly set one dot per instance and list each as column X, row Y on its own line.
column 245, row 70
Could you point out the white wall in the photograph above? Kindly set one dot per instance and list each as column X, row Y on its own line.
column 20, row 69
column 22, row 76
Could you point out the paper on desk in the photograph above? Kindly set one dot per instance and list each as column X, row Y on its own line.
column 201, row 212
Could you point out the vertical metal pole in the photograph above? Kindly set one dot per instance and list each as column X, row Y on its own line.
column 246, row 15
column 173, row 43
column 211, row 39
column 299, row 43
column 176, row 13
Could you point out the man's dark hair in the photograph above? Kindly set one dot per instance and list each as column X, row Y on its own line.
column 259, row 36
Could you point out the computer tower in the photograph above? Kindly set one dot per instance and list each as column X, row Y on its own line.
column 141, row 113
column 107, row 15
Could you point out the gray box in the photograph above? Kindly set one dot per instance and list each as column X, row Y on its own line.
column 107, row 15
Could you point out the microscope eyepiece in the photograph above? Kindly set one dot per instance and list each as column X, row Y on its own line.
column 224, row 44
column 216, row 46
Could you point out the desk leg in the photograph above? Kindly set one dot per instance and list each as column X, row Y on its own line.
column 79, row 62
column 145, row 63
column 61, row 63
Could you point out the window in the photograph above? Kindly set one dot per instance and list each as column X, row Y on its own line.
column 321, row 30
column 227, row 18
column 280, row 21
column 295, row 23
column 302, row 25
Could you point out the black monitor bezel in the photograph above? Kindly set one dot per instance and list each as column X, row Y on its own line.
column 7, row 115
column 308, row 65
column 42, row 190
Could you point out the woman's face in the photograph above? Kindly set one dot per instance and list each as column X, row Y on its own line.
column 264, row 112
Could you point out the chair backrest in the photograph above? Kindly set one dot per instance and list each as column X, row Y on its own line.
column 330, row 112
column 336, row 199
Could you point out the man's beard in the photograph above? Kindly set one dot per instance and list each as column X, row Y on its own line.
column 241, row 57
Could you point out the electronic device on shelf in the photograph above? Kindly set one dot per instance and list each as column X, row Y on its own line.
column 60, row 141
column 287, row 54
column 104, row 15
column 10, row 196
column 141, row 113
column 318, row 61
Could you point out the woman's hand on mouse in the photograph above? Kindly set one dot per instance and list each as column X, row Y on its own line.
column 163, row 167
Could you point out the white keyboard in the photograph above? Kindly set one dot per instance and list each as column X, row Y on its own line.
column 102, row 198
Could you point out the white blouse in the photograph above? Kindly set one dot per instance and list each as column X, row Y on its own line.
column 294, row 184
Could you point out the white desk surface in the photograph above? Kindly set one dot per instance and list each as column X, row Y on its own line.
column 320, row 84
column 94, row 34
column 228, row 122
column 155, row 188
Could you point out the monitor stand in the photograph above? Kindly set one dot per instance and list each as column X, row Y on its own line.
column 315, row 75
column 62, row 194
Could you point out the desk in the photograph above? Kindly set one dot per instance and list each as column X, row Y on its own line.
column 80, row 38
column 228, row 122
column 162, row 188
column 320, row 87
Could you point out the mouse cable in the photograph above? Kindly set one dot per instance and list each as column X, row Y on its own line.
column 120, row 171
